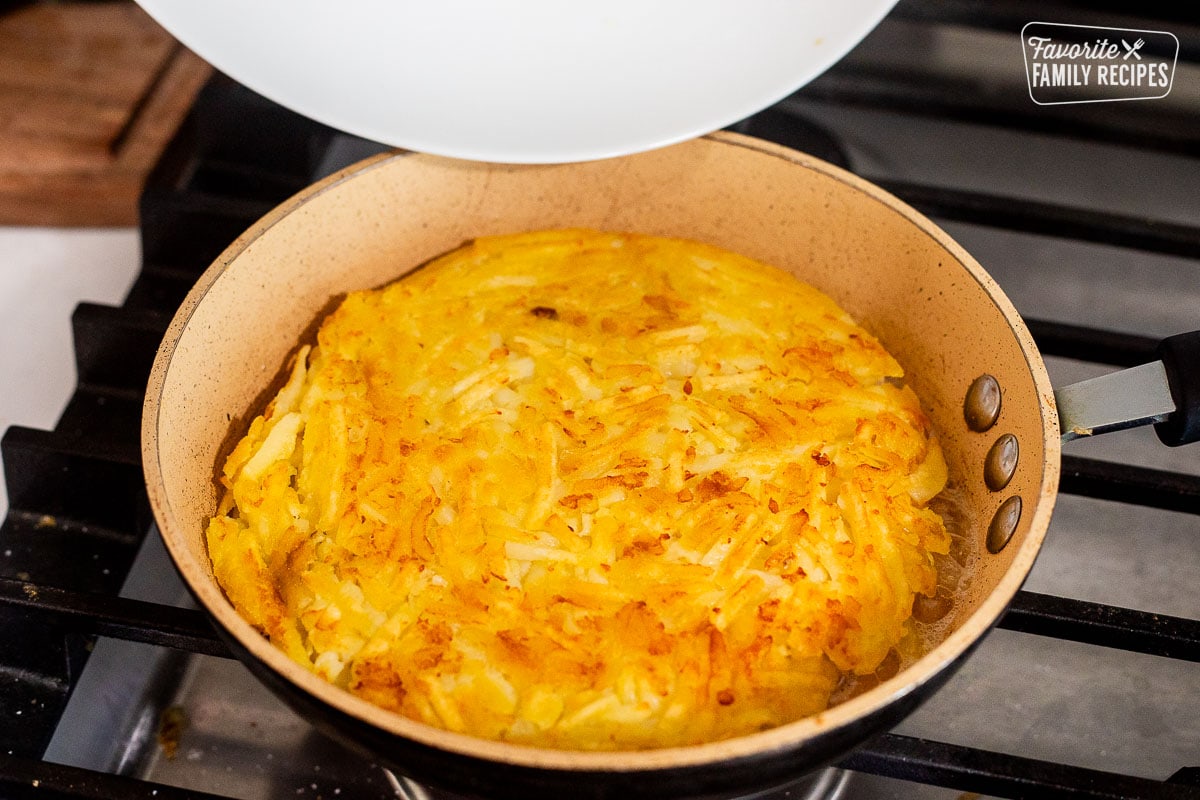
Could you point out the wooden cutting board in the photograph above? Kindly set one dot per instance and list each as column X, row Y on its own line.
column 90, row 93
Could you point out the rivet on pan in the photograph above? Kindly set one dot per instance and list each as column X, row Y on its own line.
column 982, row 405
column 1004, row 524
column 1001, row 462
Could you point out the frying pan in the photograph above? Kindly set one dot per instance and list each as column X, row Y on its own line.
column 965, row 350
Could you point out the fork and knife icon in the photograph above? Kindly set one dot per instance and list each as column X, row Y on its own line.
column 1132, row 50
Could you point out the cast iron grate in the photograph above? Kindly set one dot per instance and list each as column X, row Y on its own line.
column 78, row 508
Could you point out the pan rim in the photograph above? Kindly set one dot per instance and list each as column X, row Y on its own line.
column 784, row 738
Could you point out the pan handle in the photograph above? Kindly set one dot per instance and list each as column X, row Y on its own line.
column 1164, row 392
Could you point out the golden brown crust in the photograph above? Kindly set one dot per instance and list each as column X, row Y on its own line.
column 587, row 491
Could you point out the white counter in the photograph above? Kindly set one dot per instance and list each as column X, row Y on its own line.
column 44, row 273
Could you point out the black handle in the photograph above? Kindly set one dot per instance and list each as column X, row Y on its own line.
column 1181, row 357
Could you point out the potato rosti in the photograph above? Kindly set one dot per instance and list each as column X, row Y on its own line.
column 589, row 491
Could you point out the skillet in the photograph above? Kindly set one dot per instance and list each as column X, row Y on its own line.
column 965, row 350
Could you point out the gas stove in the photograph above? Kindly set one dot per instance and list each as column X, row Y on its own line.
column 113, row 685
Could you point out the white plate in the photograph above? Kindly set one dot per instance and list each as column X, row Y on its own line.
column 523, row 81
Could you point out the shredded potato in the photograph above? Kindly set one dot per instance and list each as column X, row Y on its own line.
column 588, row 491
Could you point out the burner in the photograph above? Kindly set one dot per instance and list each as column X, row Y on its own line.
column 827, row 784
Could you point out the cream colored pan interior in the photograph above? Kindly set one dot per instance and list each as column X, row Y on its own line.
column 933, row 307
